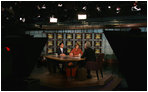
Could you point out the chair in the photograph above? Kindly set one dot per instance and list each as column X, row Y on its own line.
column 90, row 65
column 100, row 60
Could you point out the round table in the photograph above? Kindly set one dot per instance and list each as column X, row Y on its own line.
column 64, row 60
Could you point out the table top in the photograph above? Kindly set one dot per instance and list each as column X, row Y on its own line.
column 64, row 58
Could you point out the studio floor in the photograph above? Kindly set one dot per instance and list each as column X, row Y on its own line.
column 42, row 79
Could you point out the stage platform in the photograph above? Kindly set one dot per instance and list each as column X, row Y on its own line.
column 58, row 81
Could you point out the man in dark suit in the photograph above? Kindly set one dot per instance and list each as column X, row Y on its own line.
column 61, row 50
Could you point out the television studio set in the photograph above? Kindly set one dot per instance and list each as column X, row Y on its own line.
column 73, row 45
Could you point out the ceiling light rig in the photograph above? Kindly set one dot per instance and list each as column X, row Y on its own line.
column 135, row 7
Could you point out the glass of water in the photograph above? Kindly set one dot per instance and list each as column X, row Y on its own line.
column 56, row 54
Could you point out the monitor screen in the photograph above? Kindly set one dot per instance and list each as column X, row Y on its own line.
column 82, row 16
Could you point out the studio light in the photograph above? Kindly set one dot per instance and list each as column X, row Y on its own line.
column 44, row 6
column 109, row 7
column 98, row 8
column 23, row 20
column 135, row 8
column 20, row 19
column 118, row 10
column 53, row 20
column 84, row 8
column 60, row 5
column 82, row 16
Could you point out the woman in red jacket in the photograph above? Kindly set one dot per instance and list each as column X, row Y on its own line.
column 76, row 52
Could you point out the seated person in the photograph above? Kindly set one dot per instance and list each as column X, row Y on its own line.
column 61, row 50
column 89, row 54
column 71, row 67
column 76, row 52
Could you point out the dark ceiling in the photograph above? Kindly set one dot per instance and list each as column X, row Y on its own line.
column 13, row 12
column 69, row 10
